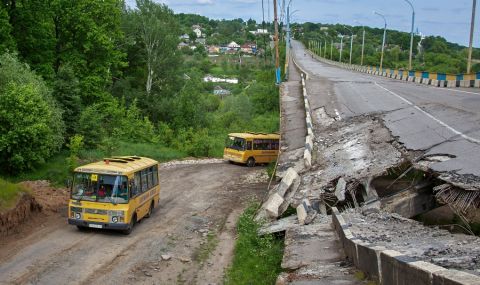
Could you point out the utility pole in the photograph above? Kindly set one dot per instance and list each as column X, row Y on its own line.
column 472, row 29
column 277, row 55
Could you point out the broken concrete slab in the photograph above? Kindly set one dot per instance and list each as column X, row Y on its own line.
column 316, row 256
column 290, row 177
column 340, row 189
column 272, row 205
column 279, row 225
column 301, row 214
column 288, row 198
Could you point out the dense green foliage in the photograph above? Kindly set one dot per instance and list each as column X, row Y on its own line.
column 31, row 128
column 257, row 258
column 435, row 54
column 105, row 79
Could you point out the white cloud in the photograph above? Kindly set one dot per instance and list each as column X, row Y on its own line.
column 205, row 2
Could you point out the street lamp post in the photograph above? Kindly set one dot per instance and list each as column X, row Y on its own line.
column 331, row 50
column 363, row 42
column 351, row 43
column 325, row 49
column 411, row 35
column 384, row 36
column 341, row 47
column 472, row 29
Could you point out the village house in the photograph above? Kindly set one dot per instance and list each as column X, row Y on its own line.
column 213, row 49
column 201, row 41
column 185, row 38
column 220, row 91
column 233, row 46
column 182, row 45
column 198, row 32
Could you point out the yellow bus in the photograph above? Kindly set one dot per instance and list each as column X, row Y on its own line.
column 251, row 148
column 114, row 193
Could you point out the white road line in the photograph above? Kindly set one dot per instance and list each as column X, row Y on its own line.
column 431, row 116
column 455, row 90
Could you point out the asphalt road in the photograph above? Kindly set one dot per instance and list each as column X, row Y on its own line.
column 430, row 119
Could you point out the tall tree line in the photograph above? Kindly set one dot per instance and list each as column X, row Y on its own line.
column 94, row 68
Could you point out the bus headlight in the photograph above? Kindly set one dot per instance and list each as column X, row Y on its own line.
column 78, row 216
column 114, row 220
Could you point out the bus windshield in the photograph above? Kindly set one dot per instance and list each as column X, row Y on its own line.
column 235, row 143
column 100, row 188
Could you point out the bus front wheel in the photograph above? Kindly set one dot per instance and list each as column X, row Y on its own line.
column 251, row 162
column 133, row 220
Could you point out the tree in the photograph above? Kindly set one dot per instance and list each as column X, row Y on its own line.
column 159, row 31
column 66, row 90
column 31, row 127
column 88, row 34
column 34, row 32
column 7, row 42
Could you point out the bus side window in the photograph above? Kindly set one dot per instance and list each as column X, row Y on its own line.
column 136, row 184
column 144, row 180
column 155, row 175
column 150, row 178
column 275, row 144
column 249, row 145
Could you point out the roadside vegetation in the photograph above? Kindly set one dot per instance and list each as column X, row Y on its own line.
column 97, row 74
column 9, row 194
column 435, row 55
column 257, row 259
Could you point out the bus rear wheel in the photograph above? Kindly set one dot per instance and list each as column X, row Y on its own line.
column 251, row 162
column 150, row 211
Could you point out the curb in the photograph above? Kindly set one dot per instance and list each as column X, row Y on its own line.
column 392, row 267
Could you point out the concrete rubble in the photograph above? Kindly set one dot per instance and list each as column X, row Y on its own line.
column 430, row 244
column 357, row 163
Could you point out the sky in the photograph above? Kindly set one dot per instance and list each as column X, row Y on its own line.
column 446, row 18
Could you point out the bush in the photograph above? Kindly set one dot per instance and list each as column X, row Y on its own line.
column 31, row 128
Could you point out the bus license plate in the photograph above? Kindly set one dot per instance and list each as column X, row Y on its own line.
column 94, row 226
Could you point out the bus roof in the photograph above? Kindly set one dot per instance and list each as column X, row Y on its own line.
column 250, row 135
column 117, row 165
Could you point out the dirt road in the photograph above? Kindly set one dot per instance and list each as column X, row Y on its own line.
column 188, row 240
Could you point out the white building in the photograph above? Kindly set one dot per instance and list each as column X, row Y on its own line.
column 198, row 32
column 233, row 45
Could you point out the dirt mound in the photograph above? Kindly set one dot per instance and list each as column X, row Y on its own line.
column 25, row 208
column 42, row 198
column 50, row 198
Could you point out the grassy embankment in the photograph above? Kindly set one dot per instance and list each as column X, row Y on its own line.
column 9, row 193
column 257, row 258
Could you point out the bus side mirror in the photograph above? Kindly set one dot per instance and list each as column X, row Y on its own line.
column 68, row 183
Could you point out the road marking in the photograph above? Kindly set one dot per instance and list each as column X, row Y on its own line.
column 460, row 91
column 431, row 116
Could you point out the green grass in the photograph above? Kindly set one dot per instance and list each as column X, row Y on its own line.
column 204, row 251
column 9, row 193
column 257, row 259
column 56, row 170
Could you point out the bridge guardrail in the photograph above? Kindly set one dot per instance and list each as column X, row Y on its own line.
column 437, row 79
